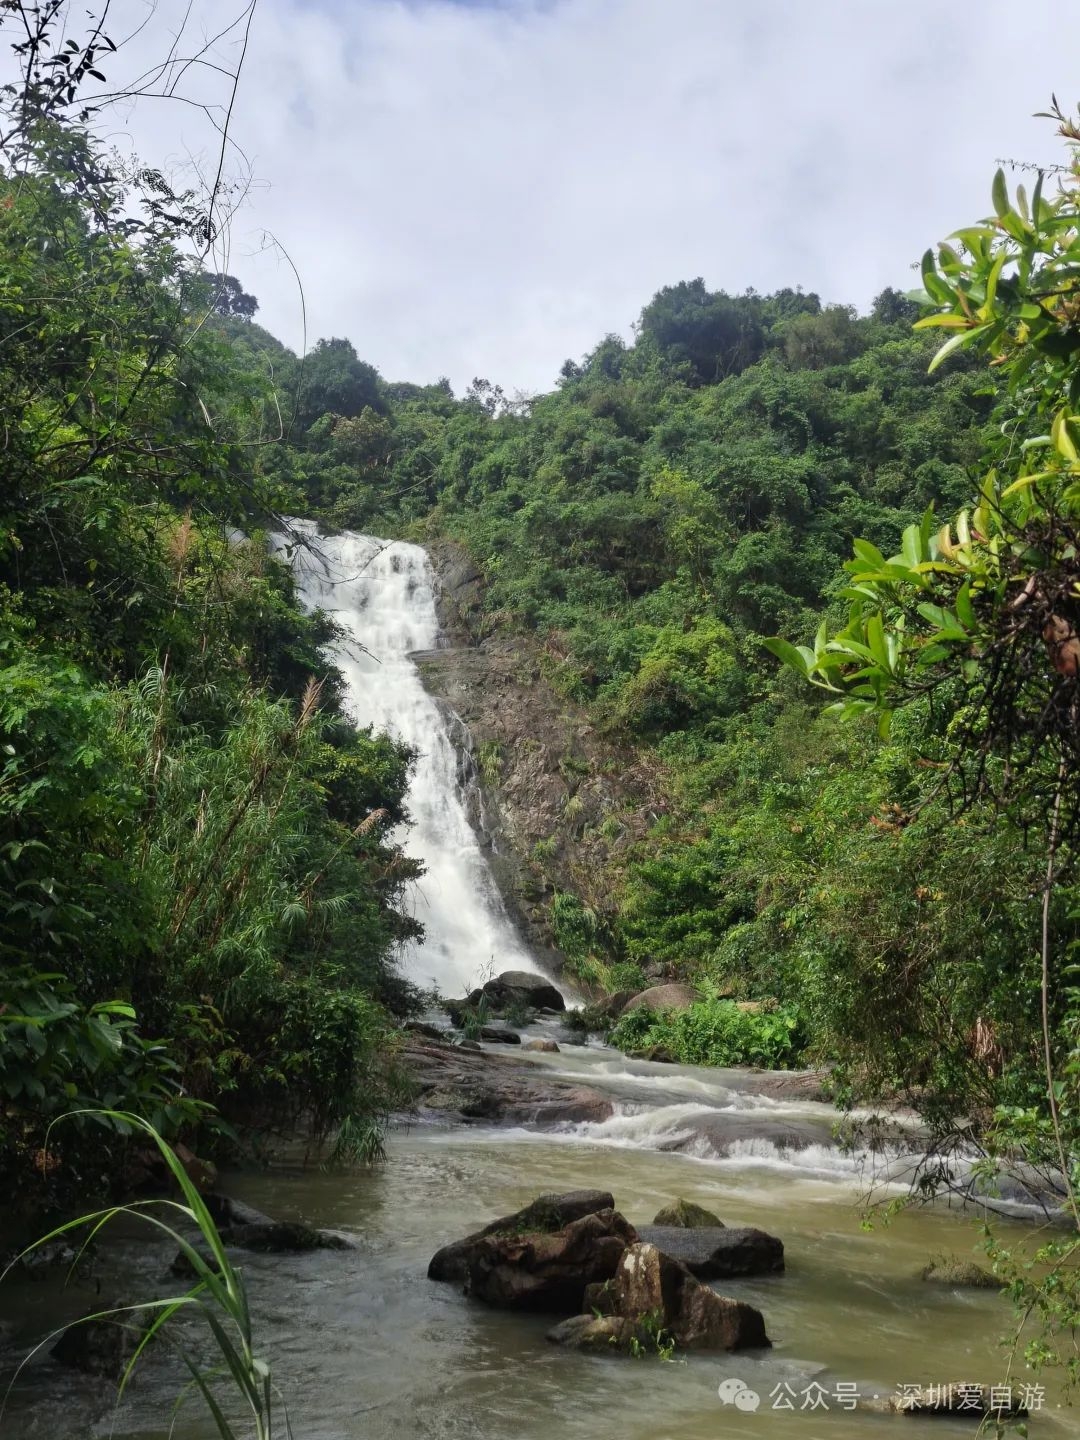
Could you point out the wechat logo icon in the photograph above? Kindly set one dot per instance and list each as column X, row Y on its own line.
column 738, row 1393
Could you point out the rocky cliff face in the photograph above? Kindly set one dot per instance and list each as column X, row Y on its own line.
column 557, row 805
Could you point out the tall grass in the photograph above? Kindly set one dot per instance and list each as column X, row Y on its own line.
column 218, row 1299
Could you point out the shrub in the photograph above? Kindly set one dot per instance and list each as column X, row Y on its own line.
column 716, row 1032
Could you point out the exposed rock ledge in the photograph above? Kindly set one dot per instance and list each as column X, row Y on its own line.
column 460, row 1084
column 553, row 802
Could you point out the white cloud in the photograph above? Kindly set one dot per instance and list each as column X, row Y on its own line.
column 486, row 190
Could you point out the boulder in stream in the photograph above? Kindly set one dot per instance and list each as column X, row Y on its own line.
column 687, row 1215
column 521, row 987
column 551, row 1047
column 548, row 1273
column 718, row 1252
column 485, row 1085
column 957, row 1273
column 103, row 1341
column 653, row 1302
column 545, row 1214
column 651, row 1285
column 242, row 1225
column 499, row 1035
column 600, row 1332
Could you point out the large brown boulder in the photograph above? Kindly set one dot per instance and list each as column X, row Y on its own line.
column 548, row 1272
column 718, row 1252
column 676, row 996
column 650, row 1285
column 545, row 1214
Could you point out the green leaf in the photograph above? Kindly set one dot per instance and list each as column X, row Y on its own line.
column 954, row 343
column 936, row 287
column 789, row 655
column 965, row 611
column 1063, row 441
column 1000, row 194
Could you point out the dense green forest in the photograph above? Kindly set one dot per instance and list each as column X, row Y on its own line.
column 199, row 902
column 646, row 524
column 201, row 899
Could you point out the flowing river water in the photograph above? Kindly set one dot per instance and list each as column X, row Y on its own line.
column 362, row 1344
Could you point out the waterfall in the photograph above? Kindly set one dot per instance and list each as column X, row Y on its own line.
column 382, row 595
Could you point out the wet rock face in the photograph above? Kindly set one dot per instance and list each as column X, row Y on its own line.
column 718, row 1253
column 478, row 1085
column 499, row 1035
column 250, row 1229
column 544, row 1215
column 575, row 1252
column 600, row 1332
column 548, row 1273
column 653, row 1302
column 541, row 749
column 719, row 1131
column 650, row 1284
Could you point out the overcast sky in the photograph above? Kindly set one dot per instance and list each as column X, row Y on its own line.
column 487, row 189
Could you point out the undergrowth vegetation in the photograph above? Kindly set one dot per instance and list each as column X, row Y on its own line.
column 199, row 902
column 714, row 1031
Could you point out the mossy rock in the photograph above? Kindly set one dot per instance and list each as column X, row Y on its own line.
column 687, row 1216
column 954, row 1270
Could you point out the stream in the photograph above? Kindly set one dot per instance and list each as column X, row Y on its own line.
column 362, row 1344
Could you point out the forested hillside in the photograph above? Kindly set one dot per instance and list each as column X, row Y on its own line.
column 645, row 525
column 643, row 529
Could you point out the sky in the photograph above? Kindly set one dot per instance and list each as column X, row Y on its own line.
column 486, row 189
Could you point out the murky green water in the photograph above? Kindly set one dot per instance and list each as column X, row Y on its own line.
column 363, row 1345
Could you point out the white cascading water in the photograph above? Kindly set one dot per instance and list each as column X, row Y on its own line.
column 382, row 595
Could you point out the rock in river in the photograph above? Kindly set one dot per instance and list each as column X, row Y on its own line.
column 548, row 1272
column 959, row 1273
column 689, row 1216
column 102, row 1342
column 544, row 1215
column 499, row 1035
column 250, row 1229
column 718, row 1252
column 520, row 987
column 649, row 1283
column 481, row 1085
column 652, row 1300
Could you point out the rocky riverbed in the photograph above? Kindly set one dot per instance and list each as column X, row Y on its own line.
column 364, row 1344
